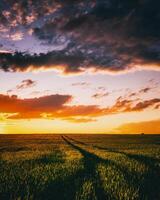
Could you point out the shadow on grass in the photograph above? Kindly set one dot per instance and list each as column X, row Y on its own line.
column 149, row 185
column 18, row 187
column 13, row 149
column 67, row 188
column 91, row 161
column 62, row 188
column 56, row 157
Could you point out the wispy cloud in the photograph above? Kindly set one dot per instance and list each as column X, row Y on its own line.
column 100, row 95
column 81, row 84
column 25, row 84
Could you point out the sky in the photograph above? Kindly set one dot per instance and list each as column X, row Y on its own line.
column 79, row 66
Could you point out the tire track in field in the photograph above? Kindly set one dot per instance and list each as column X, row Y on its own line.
column 149, row 161
column 90, row 162
column 123, row 169
column 76, row 141
column 150, row 185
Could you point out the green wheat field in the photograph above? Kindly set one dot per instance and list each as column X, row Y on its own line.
column 79, row 167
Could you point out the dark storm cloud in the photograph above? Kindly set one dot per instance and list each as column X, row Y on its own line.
column 109, row 35
column 22, row 62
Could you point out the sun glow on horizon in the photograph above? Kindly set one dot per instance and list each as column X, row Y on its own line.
column 79, row 66
column 116, row 124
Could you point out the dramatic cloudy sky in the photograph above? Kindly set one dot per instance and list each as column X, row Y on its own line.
column 73, row 66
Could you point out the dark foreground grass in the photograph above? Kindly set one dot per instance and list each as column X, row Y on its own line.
column 41, row 167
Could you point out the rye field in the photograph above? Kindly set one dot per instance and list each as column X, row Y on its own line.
column 79, row 167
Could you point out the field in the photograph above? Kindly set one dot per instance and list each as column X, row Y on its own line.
column 79, row 167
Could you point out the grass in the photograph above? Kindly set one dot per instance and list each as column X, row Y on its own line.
column 80, row 167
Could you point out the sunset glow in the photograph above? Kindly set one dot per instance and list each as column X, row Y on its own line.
column 84, row 67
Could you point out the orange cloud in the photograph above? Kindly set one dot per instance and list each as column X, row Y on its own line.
column 12, row 104
column 55, row 106
column 133, row 105
column 148, row 127
column 145, row 104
